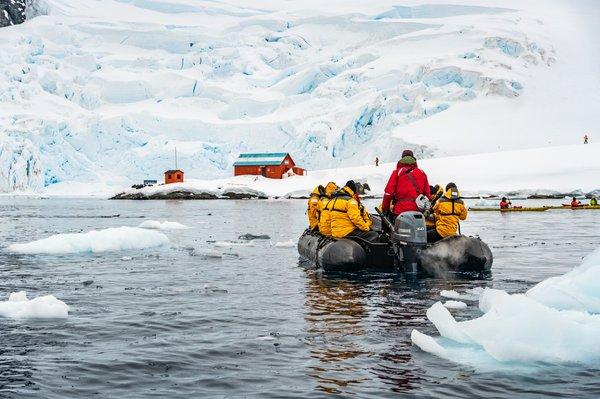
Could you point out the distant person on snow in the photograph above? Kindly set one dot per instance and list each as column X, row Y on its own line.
column 505, row 203
column 376, row 161
column 594, row 201
column 575, row 203
column 585, row 139
column 449, row 210
column 406, row 183
column 347, row 215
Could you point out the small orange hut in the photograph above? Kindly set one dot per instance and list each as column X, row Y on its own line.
column 174, row 176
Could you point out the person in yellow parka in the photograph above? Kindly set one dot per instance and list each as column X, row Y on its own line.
column 347, row 215
column 449, row 210
column 324, row 222
column 313, row 206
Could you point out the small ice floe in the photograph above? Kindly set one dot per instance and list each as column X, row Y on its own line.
column 111, row 239
column 285, row 244
column 455, row 305
column 555, row 322
column 166, row 225
column 207, row 253
column 472, row 294
column 450, row 294
column 126, row 258
column 42, row 307
column 265, row 338
column 227, row 244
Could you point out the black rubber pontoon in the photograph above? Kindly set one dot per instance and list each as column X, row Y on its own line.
column 407, row 251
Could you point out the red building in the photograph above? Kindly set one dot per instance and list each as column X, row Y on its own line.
column 272, row 165
column 174, row 176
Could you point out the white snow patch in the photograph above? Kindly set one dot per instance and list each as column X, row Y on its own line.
column 557, row 321
column 455, row 305
column 111, row 239
column 165, row 225
column 42, row 307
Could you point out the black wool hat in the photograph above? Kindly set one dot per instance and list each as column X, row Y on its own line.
column 351, row 185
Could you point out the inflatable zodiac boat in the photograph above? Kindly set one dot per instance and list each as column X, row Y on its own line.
column 405, row 248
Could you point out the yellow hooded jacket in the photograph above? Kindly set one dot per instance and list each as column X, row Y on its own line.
column 347, row 214
column 313, row 207
column 324, row 222
column 448, row 211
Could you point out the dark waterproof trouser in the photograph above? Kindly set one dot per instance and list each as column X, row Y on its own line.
column 433, row 235
column 370, row 236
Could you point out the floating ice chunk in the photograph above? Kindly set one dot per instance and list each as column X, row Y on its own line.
column 578, row 289
column 455, row 305
column 111, row 239
column 42, row 307
column 166, row 225
column 472, row 294
column 207, row 253
column 234, row 244
column 515, row 328
column 285, row 244
column 126, row 258
column 450, row 294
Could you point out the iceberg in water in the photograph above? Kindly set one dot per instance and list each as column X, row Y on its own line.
column 111, row 239
column 557, row 321
column 42, row 307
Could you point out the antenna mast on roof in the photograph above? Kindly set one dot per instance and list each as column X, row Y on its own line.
column 175, row 158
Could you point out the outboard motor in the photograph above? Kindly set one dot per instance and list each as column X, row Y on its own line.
column 409, row 237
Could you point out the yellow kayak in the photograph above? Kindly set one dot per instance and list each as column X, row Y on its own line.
column 524, row 209
column 574, row 208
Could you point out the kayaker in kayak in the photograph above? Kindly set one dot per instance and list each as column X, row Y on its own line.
column 405, row 184
column 505, row 203
column 449, row 211
column 575, row 203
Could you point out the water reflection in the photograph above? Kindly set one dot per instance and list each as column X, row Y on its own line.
column 354, row 325
column 335, row 310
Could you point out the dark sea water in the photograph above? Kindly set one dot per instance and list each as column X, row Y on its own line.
column 172, row 322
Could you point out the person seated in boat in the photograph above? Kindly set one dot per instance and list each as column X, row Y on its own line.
column 575, row 203
column 436, row 193
column 313, row 207
column 405, row 184
column 324, row 224
column 594, row 201
column 449, row 210
column 505, row 203
column 347, row 216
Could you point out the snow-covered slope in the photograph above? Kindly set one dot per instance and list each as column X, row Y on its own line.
column 102, row 91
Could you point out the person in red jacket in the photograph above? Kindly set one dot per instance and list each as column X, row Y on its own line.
column 406, row 183
column 505, row 203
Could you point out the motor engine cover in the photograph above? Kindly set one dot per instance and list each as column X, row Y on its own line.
column 410, row 228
